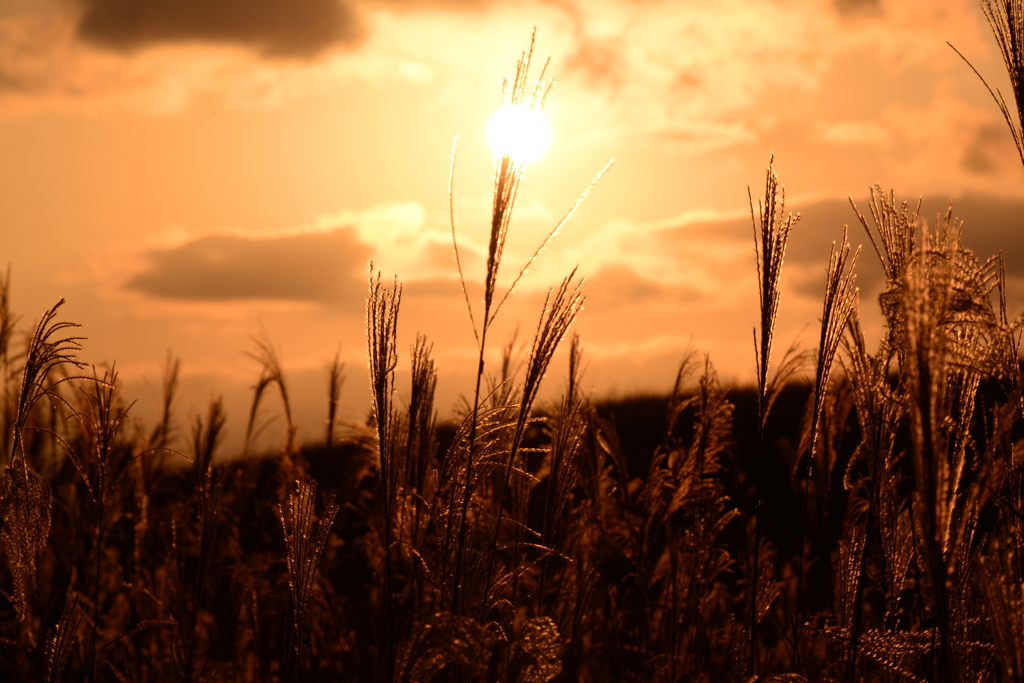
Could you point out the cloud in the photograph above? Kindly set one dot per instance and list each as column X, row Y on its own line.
column 695, row 275
column 738, row 78
column 855, row 133
column 324, row 267
column 618, row 286
column 990, row 224
column 445, row 4
column 599, row 60
column 706, row 77
column 858, row 7
column 46, row 65
column 276, row 28
column 704, row 136
column 986, row 150
column 700, row 77
column 438, row 288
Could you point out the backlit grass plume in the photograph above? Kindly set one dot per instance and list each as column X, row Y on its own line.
column 304, row 539
column 946, row 309
column 335, row 380
column 50, row 347
column 62, row 639
column 508, row 173
column 25, row 498
column 8, row 321
column 837, row 308
column 772, row 226
column 1006, row 18
column 271, row 375
column 382, row 307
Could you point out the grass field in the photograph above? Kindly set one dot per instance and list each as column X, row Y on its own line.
column 856, row 514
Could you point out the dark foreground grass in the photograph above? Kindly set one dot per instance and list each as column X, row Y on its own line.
column 866, row 524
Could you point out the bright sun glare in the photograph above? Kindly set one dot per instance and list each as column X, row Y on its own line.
column 521, row 131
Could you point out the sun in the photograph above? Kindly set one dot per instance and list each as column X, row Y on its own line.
column 520, row 131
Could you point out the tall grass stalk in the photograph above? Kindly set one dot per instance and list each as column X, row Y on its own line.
column 50, row 347
column 62, row 639
column 562, row 475
column 1006, row 19
column 421, row 446
column 560, row 309
column 25, row 496
column 207, row 502
column 8, row 322
column 771, row 233
column 103, row 464
column 335, row 380
column 948, row 317
column 305, row 539
column 838, row 306
column 880, row 414
column 271, row 375
column 508, row 173
column 382, row 307
column 164, row 431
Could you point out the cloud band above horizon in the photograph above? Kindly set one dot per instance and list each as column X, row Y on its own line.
column 276, row 28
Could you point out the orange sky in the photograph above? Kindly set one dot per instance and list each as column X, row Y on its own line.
column 188, row 174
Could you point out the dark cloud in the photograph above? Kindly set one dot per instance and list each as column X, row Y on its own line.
column 820, row 223
column 321, row 267
column 990, row 224
column 419, row 4
column 278, row 28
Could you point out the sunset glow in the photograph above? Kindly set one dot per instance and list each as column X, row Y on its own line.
column 309, row 371
column 520, row 131
column 186, row 174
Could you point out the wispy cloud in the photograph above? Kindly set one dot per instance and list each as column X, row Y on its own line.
column 855, row 133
